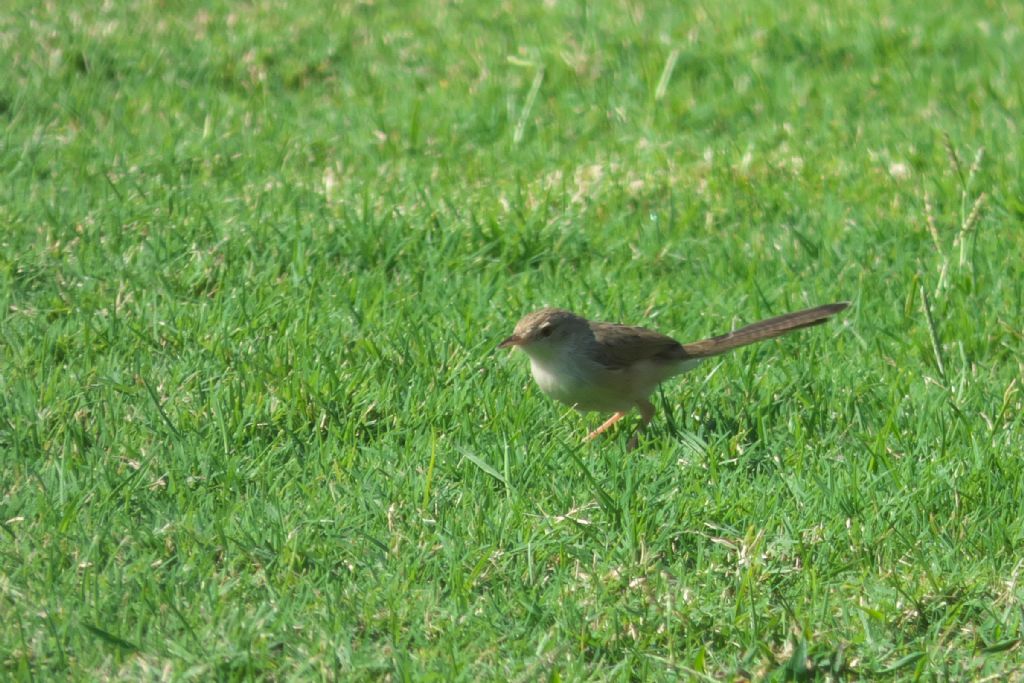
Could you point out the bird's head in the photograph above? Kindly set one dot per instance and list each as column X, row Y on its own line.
column 545, row 332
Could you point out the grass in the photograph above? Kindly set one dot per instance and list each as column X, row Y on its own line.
column 256, row 258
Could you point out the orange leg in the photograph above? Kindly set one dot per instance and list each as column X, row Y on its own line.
column 607, row 423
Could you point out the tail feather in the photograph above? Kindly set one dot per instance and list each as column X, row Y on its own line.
column 766, row 329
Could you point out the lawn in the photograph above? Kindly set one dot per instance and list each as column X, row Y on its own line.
column 255, row 259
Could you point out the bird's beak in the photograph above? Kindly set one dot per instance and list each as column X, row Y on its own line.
column 514, row 340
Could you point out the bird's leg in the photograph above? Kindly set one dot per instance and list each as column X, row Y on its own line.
column 646, row 415
column 607, row 423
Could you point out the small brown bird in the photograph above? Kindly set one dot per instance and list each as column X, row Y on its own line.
column 614, row 368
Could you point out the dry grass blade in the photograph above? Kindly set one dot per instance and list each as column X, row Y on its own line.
column 933, row 333
column 929, row 221
column 954, row 158
column 968, row 225
column 531, row 97
column 666, row 74
column 979, row 156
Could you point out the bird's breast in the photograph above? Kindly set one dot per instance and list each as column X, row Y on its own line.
column 558, row 383
column 580, row 387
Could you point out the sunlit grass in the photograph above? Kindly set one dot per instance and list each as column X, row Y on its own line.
column 256, row 258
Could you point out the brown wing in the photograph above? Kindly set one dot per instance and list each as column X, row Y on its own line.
column 619, row 346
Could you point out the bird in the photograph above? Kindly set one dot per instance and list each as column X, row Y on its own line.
column 614, row 368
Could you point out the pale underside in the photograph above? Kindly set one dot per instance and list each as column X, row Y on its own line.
column 587, row 386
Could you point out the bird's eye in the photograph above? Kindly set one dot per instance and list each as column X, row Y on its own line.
column 546, row 331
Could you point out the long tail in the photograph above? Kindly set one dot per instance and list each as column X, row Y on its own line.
column 766, row 329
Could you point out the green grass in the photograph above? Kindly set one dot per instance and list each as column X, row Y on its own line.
column 255, row 259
